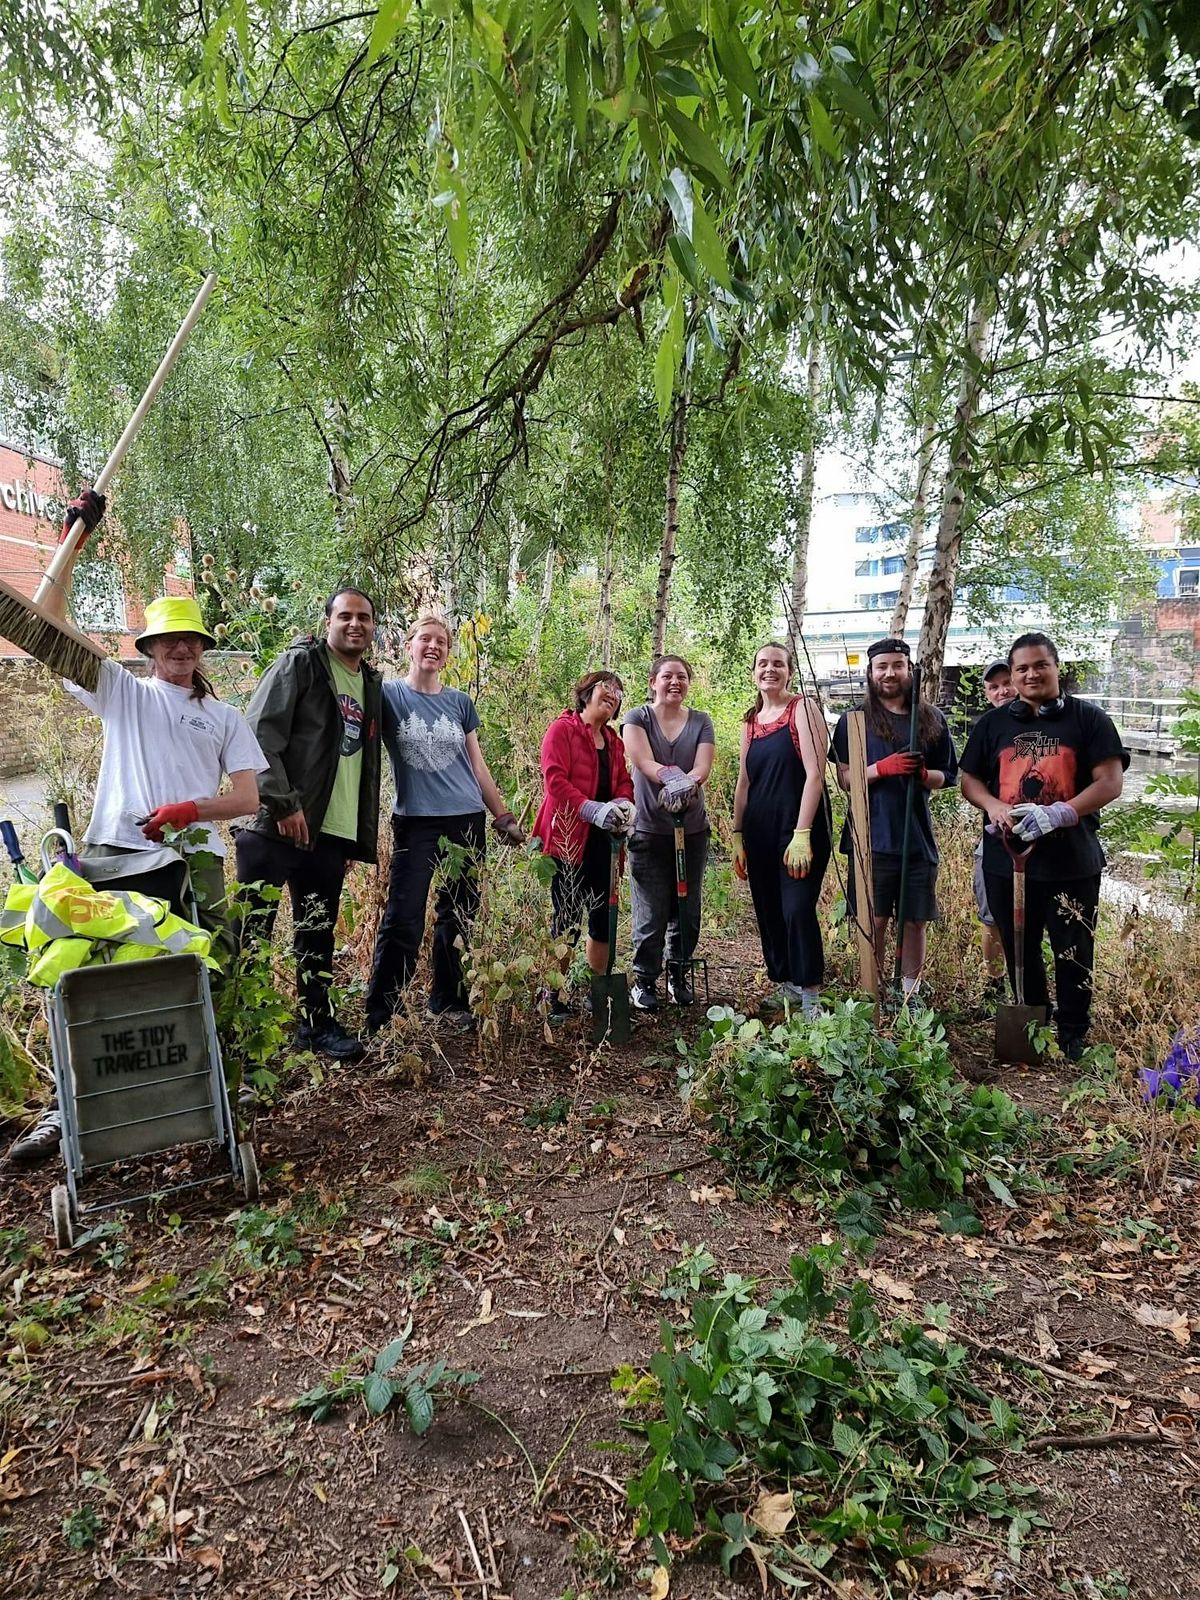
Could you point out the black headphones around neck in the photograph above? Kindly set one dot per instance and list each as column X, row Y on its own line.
column 1049, row 709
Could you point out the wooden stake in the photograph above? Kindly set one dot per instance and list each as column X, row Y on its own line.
column 860, row 842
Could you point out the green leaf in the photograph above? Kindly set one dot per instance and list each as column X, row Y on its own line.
column 389, row 19
column 378, row 1393
column 1001, row 1190
column 847, row 1441
column 679, row 83
column 698, row 147
column 576, row 64
column 852, row 100
column 707, row 244
column 589, row 18
column 391, row 1352
column 665, row 363
column 685, row 259
column 418, row 1407
column 731, row 56
column 509, row 112
column 823, row 130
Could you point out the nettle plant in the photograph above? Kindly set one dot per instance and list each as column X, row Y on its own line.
column 830, row 1103
column 767, row 1438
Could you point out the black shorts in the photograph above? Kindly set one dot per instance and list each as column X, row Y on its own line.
column 921, row 902
column 579, row 894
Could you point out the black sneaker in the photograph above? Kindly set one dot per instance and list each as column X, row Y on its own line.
column 558, row 1007
column 1073, row 1048
column 643, row 998
column 680, row 989
column 38, row 1143
column 330, row 1039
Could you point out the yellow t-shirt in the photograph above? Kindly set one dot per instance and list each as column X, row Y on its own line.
column 341, row 815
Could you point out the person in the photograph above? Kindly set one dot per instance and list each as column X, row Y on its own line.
column 169, row 745
column 671, row 749
column 317, row 714
column 587, row 801
column 890, row 767
column 998, row 691
column 442, row 788
column 781, row 838
column 1042, row 769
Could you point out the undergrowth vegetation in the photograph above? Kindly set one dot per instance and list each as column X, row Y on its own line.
column 772, row 1434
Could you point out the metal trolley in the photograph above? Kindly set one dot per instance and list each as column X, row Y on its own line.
column 137, row 1066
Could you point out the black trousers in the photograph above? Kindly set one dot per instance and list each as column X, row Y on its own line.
column 416, row 853
column 1066, row 913
column 786, row 911
column 313, row 879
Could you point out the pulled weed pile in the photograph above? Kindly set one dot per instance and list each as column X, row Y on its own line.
column 782, row 1446
column 830, row 1103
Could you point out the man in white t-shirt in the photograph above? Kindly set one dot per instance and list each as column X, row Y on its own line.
column 169, row 743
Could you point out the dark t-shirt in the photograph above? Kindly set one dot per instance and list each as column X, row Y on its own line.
column 889, row 796
column 1041, row 760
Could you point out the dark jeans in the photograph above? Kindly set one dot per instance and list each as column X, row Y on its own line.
column 1066, row 912
column 416, row 853
column 656, row 909
column 313, row 879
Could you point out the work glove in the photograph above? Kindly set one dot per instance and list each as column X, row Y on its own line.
column 507, row 829
column 90, row 506
column 739, row 856
column 678, row 790
column 1035, row 822
column 180, row 815
column 614, row 816
column 798, row 856
column 902, row 764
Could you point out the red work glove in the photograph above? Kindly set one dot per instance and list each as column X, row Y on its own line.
column 903, row 764
column 180, row 815
column 90, row 506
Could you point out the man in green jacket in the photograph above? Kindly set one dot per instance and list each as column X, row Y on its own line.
column 316, row 713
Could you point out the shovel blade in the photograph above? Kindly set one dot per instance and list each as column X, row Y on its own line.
column 610, row 1009
column 1013, row 1043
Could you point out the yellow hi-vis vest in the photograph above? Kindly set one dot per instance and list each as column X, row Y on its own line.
column 63, row 922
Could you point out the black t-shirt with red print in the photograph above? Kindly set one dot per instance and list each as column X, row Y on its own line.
column 1038, row 760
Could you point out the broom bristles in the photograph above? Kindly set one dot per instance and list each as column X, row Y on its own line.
column 57, row 645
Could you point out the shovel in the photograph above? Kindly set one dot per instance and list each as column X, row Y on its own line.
column 1013, row 1042
column 692, row 968
column 610, row 990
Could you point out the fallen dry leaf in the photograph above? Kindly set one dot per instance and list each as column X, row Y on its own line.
column 778, row 1226
column 206, row 1556
column 1087, row 1361
column 707, row 1195
column 773, row 1512
column 1047, row 1348
column 1173, row 1322
column 894, row 1288
column 486, row 1314
column 660, row 1584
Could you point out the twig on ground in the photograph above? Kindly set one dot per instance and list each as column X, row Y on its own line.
column 607, row 1235
column 1104, row 1385
column 466, row 1526
column 1096, row 1441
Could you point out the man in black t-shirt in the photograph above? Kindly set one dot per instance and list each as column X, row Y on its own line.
column 1042, row 768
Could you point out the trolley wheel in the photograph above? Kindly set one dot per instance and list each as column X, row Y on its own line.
column 60, row 1212
column 249, row 1169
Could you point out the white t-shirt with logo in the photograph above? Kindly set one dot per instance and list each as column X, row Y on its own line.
column 160, row 747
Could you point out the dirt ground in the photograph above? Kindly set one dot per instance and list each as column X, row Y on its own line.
column 524, row 1214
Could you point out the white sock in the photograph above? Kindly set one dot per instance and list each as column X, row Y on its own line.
column 810, row 1001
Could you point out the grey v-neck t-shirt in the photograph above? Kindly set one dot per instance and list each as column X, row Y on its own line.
column 679, row 752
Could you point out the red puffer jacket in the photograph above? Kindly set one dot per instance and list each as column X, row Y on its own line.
column 571, row 773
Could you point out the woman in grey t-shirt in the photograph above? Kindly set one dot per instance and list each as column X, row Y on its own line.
column 443, row 785
column 670, row 749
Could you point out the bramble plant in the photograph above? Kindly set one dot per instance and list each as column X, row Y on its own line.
column 874, row 1449
column 415, row 1390
column 831, row 1102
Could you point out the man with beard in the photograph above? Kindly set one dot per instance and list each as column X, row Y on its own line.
column 1041, row 768
column 316, row 713
column 890, row 767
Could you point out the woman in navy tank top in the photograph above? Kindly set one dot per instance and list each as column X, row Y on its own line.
column 781, row 836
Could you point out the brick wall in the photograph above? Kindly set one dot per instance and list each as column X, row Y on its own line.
column 1158, row 650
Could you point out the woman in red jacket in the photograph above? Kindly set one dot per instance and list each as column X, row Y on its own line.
column 588, row 798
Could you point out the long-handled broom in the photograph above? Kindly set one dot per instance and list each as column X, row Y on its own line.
column 29, row 623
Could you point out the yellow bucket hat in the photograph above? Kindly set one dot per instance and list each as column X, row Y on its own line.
column 172, row 614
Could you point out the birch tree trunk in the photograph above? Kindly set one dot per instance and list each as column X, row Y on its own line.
column 535, row 639
column 666, row 560
column 804, row 505
column 939, row 599
column 916, row 532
